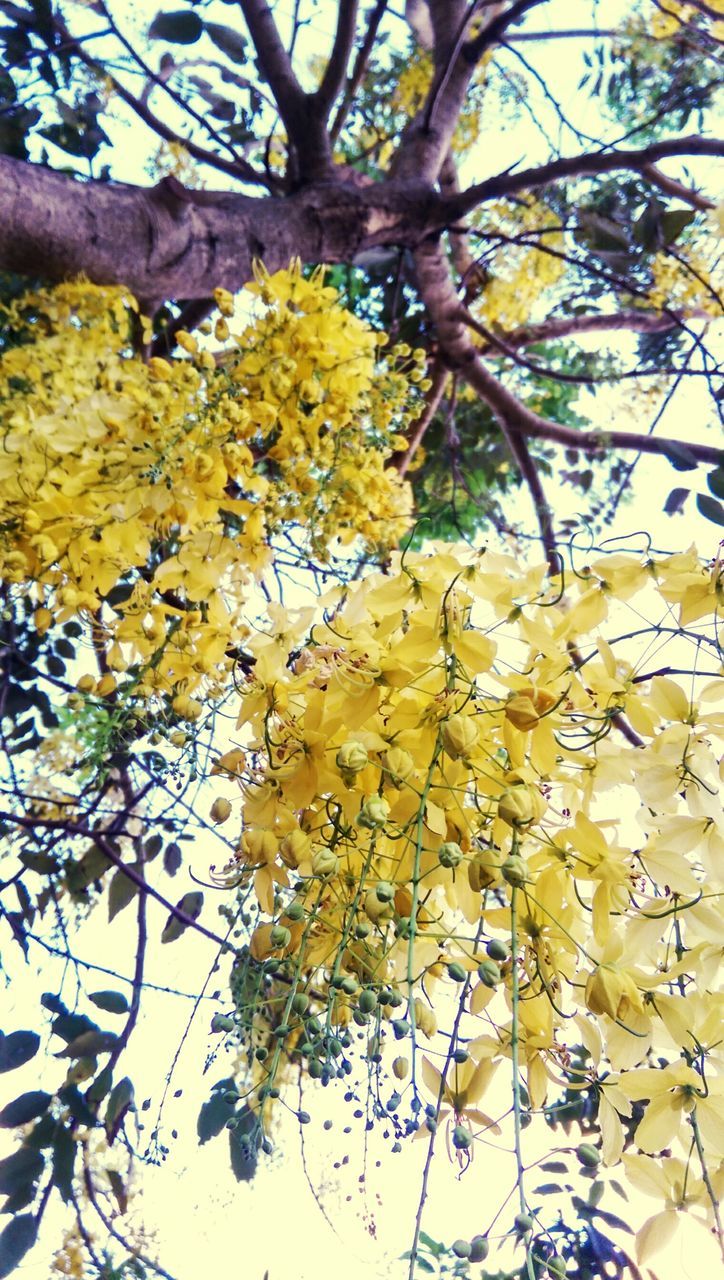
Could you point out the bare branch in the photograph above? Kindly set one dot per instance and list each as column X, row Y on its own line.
column 359, row 68
column 566, row 326
column 676, row 189
column 439, row 377
column 336, row 69
column 492, row 32
column 584, row 165
column 276, row 67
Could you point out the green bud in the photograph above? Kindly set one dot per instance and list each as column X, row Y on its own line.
column 523, row 1223
column 588, row 1155
column 367, row 1001
column 515, row 871
column 489, row 973
column 497, row 950
column 295, row 910
column 479, row 1249
column 222, row 1022
column 385, row 891
column 300, row 1002
column 462, row 1138
column 457, row 972
column 450, row 854
column 461, row 1248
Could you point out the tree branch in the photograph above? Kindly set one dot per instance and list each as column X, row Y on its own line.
column 336, row 69
column 580, row 166
column 358, row 71
column 491, row 33
column 566, row 326
column 292, row 101
column 676, row 189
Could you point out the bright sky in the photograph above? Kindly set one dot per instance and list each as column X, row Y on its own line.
column 206, row 1224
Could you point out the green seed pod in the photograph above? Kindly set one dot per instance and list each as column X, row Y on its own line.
column 489, row 973
column 515, row 871
column 450, row 854
column 556, row 1266
column 280, row 936
column 456, row 972
column 262, row 1053
column 367, row 1001
column 497, row 950
column 462, row 1138
column 295, row 910
column 588, row 1155
column 461, row 1248
column 523, row 1223
column 479, row 1249
column 222, row 1022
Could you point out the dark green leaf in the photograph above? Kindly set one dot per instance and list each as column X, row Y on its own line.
column 64, row 1152
column 230, row 42
column 17, row 1049
column 122, row 891
column 213, row 1116
column 73, row 1099
column 709, row 508
column 99, row 1087
column 15, row 1241
column 25, row 1108
column 110, row 1001
column 89, row 1044
column 243, row 1153
column 80, row 875
column 172, row 858
column 20, row 1169
column 191, row 905
column 675, row 501
column 547, row 1189
column 715, row 481
column 680, row 457
column 70, row 1025
column 554, row 1166
column 179, row 27
column 119, row 1103
column 118, row 1188
column 674, row 222
column 423, row 1265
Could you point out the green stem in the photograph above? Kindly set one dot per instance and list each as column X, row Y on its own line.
column 514, row 1046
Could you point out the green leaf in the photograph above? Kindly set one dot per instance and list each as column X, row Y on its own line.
column 674, row 222
column 228, row 41
column 70, row 1025
column 179, row 27
column 73, row 1099
column 709, row 508
column 64, row 1153
column 172, row 858
column 191, row 905
column 18, row 1237
column 213, row 1116
column 20, row 1169
column 120, row 1101
column 680, row 457
column 25, row 1108
column 122, row 891
column 80, row 875
column 118, row 1188
column 17, row 1049
column 675, row 501
column 89, row 1044
column 715, row 481
column 423, row 1265
column 110, row 1001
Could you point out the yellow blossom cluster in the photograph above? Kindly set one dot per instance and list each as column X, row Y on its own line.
column 690, row 279
column 519, row 272
column 413, row 87
column 141, row 494
column 437, row 810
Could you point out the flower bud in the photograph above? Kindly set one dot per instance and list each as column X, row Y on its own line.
column 280, row 936
column 42, row 620
column 613, row 991
column 489, row 973
column 517, row 807
column 459, row 735
column 425, row 1018
column 352, row 757
column 258, row 846
column 220, row 810
column 374, row 812
column 450, row 854
column 295, row 848
column 108, row 685
column 375, row 909
column 399, row 764
column 525, row 708
column 324, row 863
column 86, row 684
column 481, row 872
column 515, row 871
column 400, row 1068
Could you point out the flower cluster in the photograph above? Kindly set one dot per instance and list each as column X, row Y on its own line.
column 437, row 815
column 141, row 494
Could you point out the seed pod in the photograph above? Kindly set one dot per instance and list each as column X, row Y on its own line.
column 457, row 972
column 280, row 936
column 588, row 1155
column 497, row 950
column 489, row 973
column 462, row 1138
column 479, row 1249
column 523, row 1223
column 222, row 1022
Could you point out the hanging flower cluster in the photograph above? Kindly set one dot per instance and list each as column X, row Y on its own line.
column 441, row 822
column 143, row 493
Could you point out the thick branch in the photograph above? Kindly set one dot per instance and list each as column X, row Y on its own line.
column 676, row 189
column 167, row 242
column 336, row 69
column 359, row 68
column 496, row 28
column 587, row 164
column 277, row 70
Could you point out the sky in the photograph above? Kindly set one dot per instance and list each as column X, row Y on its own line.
column 206, row 1224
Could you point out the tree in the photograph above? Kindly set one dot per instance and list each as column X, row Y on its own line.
column 423, row 889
